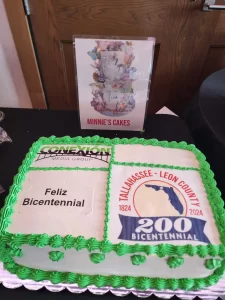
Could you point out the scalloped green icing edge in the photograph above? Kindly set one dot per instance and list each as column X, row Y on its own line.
column 115, row 281
column 161, row 250
column 104, row 246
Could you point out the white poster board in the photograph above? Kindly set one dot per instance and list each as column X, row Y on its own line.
column 113, row 79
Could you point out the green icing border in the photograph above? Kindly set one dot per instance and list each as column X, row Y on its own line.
column 115, row 281
column 68, row 242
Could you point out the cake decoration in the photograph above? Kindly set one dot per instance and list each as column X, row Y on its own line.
column 56, row 255
column 175, row 262
column 212, row 263
column 189, row 185
column 97, row 258
column 16, row 252
column 138, row 259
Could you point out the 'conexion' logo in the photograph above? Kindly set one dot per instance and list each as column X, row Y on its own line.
column 92, row 151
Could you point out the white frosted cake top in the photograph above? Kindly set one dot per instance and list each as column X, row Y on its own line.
column 155, row 155
column 147, row 205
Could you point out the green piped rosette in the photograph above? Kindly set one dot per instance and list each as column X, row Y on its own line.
column 97, row 258
column 16, row 252
column 138, row 260
column 213, row 263
column 175, row 262
column 56, row 255
column 105, row 246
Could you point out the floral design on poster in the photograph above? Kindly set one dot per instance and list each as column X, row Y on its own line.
column 113, row 77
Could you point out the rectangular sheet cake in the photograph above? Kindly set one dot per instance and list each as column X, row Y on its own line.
column 131, row 213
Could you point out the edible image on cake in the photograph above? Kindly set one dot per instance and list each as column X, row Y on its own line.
column 113, row 76
column 158, row 198
column 73, row 155
column 76, row 152
column 157, row 205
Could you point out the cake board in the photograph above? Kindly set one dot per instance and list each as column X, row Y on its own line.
column 11, row 281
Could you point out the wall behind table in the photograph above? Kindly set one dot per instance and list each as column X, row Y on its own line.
column 13, row 90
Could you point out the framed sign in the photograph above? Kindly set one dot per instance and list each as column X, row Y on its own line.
column 113, row 79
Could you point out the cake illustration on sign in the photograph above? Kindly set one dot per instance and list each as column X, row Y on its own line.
column 112, row 89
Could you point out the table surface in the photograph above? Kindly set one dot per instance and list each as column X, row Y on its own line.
column 25, row 126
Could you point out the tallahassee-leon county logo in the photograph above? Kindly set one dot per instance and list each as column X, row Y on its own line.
column 159, row 198
column 64, row 151
column 161, row 216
